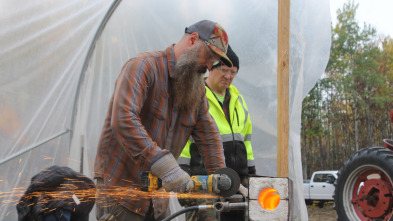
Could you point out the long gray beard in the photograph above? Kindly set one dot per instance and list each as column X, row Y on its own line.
column 188, row 85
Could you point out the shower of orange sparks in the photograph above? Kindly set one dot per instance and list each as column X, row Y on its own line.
column 47, row 157
column 74, row 160
column 66, row 191
column 9, row 212
column 119, row 192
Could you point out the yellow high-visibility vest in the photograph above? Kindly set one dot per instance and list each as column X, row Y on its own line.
column 240, row 127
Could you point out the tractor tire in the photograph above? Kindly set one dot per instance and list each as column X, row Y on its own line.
column 363, row 189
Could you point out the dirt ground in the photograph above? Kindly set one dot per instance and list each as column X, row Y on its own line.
column 327, row 213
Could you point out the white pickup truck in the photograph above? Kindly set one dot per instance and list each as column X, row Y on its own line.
column 320, row 187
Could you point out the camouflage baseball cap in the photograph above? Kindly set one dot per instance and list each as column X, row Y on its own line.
column 214, row 36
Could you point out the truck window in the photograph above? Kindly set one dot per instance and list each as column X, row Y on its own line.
column 320, row 178
column 323, row 178
column 331, row 177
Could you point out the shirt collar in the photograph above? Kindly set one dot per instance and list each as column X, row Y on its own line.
column 170, row 54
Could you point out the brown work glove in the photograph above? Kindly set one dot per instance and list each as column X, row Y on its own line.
column 173, row 177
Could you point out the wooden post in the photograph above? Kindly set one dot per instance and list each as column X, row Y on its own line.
column 283, row 87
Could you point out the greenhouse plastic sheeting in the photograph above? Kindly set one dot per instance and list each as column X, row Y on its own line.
column 52, row 109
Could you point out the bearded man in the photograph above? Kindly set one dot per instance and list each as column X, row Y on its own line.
column 158, row 103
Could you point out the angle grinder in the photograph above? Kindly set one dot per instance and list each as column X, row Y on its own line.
column 225, row 182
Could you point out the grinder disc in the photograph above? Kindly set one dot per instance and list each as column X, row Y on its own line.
column 235, row 182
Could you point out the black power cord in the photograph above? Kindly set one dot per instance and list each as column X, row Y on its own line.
column 202, row 207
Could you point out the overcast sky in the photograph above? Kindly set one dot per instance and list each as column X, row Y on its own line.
column 378, row 13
